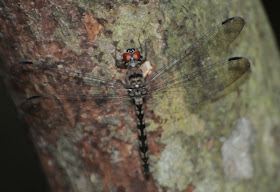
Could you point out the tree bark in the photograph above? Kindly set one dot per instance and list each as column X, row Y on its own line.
column 227, row 145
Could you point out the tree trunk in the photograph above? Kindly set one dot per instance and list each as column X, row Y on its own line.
column 230, row 144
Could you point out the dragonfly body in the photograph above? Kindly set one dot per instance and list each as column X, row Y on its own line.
column 137, row 91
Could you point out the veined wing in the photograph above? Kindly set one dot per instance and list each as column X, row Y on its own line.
column 45, row 76
column 47, row 83
column 202, row 84
column 196, row 57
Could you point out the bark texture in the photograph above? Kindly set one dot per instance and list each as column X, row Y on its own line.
column 227, row 145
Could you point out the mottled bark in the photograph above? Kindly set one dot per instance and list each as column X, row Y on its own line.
column 227, row 145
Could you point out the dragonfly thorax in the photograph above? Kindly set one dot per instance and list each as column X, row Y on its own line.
column 137, row 92
column 135, row 80
column 134, row 76
column 137, row 95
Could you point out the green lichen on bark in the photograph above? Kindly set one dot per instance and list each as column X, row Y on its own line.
column 170, row 27
column 193, row 139
column 66, row 32
column 218, row 119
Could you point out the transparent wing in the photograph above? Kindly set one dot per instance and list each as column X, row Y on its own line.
column 61, row 89
column 203, row 84
column 44, row 77
column 197, row 56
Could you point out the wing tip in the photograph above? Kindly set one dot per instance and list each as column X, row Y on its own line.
column 26, row 62
column 244, row 61
column 33, row 97
column 235, row 58
column 233, row 18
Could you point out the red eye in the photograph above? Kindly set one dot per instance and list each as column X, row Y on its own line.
column 136, row 55
column 127, row 57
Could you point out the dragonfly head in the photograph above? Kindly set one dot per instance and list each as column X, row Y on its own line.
column 132, row 57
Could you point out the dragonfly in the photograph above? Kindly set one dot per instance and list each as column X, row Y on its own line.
column 190, row 73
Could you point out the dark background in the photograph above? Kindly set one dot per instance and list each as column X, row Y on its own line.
column 20, row 165
column 272, row 8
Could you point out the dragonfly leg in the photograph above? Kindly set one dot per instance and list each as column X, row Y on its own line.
column 143, row 52
column 119, row 63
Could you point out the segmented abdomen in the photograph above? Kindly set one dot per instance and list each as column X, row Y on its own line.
column 143, row 147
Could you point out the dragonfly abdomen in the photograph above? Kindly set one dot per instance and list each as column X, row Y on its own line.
column 143, row 147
